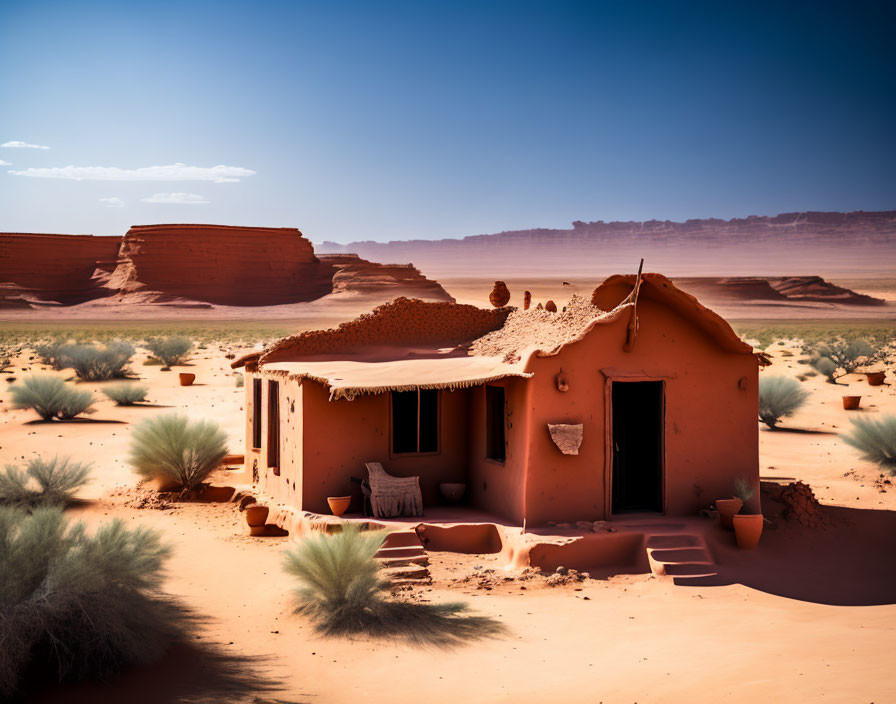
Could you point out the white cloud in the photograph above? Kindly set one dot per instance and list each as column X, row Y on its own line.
column 4, row 163
column 172, row 172
column 112, row 202
column 16, row 144
column 176, row 199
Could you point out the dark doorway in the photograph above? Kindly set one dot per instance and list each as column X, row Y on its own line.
column 637, row 446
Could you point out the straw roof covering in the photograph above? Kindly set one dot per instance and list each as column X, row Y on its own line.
column 409, row 344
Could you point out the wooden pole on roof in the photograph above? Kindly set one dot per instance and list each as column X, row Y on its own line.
column 632, row 331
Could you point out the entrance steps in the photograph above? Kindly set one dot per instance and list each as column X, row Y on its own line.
column 403, row 559
column 684, row 557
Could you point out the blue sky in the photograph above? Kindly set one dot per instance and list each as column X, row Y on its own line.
column 394, row 120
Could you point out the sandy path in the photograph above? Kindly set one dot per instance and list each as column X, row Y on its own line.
column 635, row 638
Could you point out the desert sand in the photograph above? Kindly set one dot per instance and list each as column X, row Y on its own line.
column 810, row 616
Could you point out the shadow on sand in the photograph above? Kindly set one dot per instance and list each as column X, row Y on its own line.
column 443, row 626
column 191, row 672
column 849, row 562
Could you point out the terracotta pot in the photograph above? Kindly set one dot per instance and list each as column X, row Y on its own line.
column 339, row 504
column 452, row 492
column 187, row 379
column 747, row 529
column 875, row 378
column 851, row 403
column 256, row 515
column 727, row 510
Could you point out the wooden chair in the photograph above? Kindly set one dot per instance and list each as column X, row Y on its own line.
column 393, row 496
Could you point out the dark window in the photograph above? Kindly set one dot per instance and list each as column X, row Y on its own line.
column 256, row 413
column 494, row 423
column 415, row 421
column 274, row 425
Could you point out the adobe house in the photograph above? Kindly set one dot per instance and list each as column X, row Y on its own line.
column 633, row 403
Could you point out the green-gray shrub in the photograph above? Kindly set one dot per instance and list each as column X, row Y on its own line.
column 170, row 350
column 93, row 363
column 826, row 367
column 51, row 353
column 339, row 579
column 76, row 605
column 177, row 448
column 875, row 439
column 51, row 397
column 126, row 394
column 42, row 482
column 779, row 397
column 845, row 354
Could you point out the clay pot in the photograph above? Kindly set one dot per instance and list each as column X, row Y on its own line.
column 339, row 504
column 851, row 403
column 187, row 379
column 728, row 508
column 550, row 307
column 499, row 296
column 256, row 515
column 452, row 492
column 875, row 378
column 527, row 299
column 747, row 529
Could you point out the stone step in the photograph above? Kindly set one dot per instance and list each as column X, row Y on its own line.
column 408, row 551
column 695, row 554
column 416, row 573
column 676, row 540
column 689, row 569
column 389, row 562
column 402, row 539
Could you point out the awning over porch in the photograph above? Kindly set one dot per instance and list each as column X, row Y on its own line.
column 347, row 379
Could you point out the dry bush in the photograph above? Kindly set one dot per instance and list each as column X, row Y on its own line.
column 76, row 605
column 170, row 350
column 51, row 397
column 42, row 482
column 175, row 447
column 126, row 394
column 876, row 440
column 779, row 397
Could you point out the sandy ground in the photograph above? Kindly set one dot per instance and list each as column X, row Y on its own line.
column 811, row 618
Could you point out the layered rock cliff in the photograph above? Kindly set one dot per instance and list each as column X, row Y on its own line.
column 190, row 265
column 234, row 266
column 41, row 269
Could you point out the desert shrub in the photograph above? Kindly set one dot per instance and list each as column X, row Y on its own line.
column 825, row 367
column 175, row 447
column 779, row 396
column 126, row 394
column 76, row 605
column 42, row 482
column 845, row 353
column 339, row 579
column 170, row 350
column 99, row 363
column 50, row 353
column 51, row 397
column 876, row 440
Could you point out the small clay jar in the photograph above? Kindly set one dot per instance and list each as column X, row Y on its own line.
column 187, row 379
column 339, row 504
column 527, row 299
column 728, row 508
column 747, row 530
column 875, row 378
column 500, row 295
column 851, row 403
column 256, row 515
column 550, row 307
